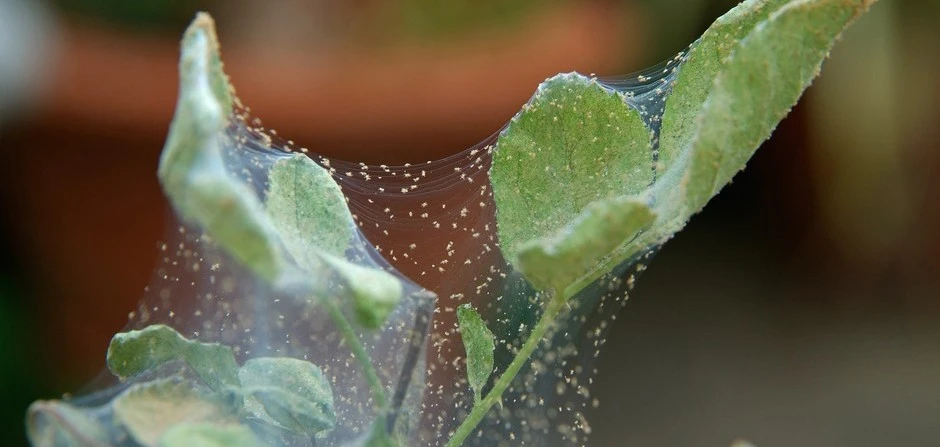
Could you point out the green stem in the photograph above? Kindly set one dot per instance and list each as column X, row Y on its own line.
column 359, row 351
column 555, row 304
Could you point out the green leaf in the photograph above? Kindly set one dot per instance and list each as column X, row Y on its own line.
column 289, row 393
column 593, row 242
column 574, row 143
column 191, row 169
column 375, row 292
column 478, row 342
column 59, row 424
column 133, row 353
column 209, row 435
column 732, row 88
column 309, row 211
column 149, row 410
column 303, row 219
column 698, row 71
column 758, row 85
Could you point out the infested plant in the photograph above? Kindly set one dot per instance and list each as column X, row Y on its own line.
column 277, row 318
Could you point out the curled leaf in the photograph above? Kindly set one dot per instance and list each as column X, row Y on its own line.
column 191, row 168
column 696, row 75
column 135, row 352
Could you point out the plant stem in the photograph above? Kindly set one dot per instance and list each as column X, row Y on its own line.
column 359, row 351
column 555, row 304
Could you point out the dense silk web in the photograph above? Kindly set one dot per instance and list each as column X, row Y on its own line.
column 435, row 221
column 432, row 224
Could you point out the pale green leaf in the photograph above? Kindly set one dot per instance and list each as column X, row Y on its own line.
column 135, row 352
column 209, row 435
column 478, row 342
column 290, row 393
column 60, row 424
column 574, row 143
column 147, row 411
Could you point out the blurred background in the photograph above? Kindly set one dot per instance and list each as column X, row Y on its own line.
column 800, row 308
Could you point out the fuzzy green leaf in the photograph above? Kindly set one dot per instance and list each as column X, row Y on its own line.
column 758, row 85
column 478, row 342
column 700, row 66
column 149, row 410
column 290, row 393
column 59, row 424
column 574, row 143
column 209, row 435
column 135, row 352
column 308, row 210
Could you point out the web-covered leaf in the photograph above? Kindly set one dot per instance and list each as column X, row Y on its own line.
column 289, row 393
column 575, row 143
column 478, row 343
column 309, row 212
column 582, row 183
column 298, row 232
column 136, row 352
column 758, row 85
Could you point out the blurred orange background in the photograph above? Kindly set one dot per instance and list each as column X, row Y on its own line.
column 801, row 308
